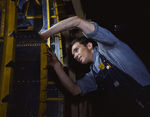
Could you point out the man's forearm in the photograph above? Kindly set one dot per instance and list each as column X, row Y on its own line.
column 73, row 88
column 61, row 26
column 67, row 24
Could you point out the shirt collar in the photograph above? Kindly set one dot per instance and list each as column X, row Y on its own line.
column 94, row 57
column 94, row 54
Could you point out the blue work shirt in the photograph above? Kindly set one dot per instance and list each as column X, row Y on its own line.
column 118, row 53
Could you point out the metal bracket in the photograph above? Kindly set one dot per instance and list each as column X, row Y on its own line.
column 12, row 34
column 11, row 64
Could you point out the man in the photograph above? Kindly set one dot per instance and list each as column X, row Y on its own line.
column 116, row 71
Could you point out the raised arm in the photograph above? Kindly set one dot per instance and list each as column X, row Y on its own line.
column 69, row 23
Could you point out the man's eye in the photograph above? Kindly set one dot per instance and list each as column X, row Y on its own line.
column 76, row 50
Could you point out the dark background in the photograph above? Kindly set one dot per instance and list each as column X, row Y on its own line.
column 128, row 20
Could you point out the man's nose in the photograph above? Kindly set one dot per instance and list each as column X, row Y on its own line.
column 75, row 56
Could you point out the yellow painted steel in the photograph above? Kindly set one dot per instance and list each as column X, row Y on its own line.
column 31, row 17
column 27, row 7
column 55, row 99
column 43, row 81
column 59, row 35
column 48, row 14
column 60, row 47
column 29, row 28
column 8, row 55
column 48, row 20
column 38, row 2
column 2, row 23
column 51, row 83
column 53, row 16
column 18, row 2
column 44, row 72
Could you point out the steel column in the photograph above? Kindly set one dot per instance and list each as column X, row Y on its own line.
column 8, row 55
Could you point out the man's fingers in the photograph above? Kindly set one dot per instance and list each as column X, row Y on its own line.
column 49, row 48
column 49, row 51
column 42, row 37
column 48, row 54
column 43, row 40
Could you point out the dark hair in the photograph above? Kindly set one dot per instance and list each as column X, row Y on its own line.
column 83, row 40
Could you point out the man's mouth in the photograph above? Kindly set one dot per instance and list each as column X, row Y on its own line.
column 80, row 59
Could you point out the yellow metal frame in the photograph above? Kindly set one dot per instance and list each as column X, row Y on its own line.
column 51, row 83
column 55, row 99
column 2, row 23
column 37, row 1
column 30, row 28
column 32, row 17
column 44, row 79
column 8, row 54
column 44, row 72
column 59, row 35
column 18, row 2
column 48, row 20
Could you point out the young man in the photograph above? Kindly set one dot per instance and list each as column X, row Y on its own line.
column 116, row 71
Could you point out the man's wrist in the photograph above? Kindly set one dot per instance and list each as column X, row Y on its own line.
column 57, row 65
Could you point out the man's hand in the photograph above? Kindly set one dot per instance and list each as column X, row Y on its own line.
column 42, row 37
column 52, row 58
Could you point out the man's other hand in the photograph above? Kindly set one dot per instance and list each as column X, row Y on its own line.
column 52, row 58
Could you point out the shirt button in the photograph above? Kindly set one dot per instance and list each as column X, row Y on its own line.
column 107, row 67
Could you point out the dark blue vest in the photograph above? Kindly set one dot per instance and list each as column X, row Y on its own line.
column 115, row 83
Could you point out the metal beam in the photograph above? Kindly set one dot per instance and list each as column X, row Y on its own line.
column 50, row 17
column 2, row 22
column 43, row 71
column 8, row 55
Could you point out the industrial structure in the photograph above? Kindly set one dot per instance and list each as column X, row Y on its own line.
column 27, row 89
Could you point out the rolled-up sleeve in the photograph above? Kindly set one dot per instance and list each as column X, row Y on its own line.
column 87, row 83
column 102, row 35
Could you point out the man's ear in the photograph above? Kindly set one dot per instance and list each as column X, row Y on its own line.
column 90, row 46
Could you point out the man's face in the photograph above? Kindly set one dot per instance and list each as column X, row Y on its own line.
column 83, row 54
